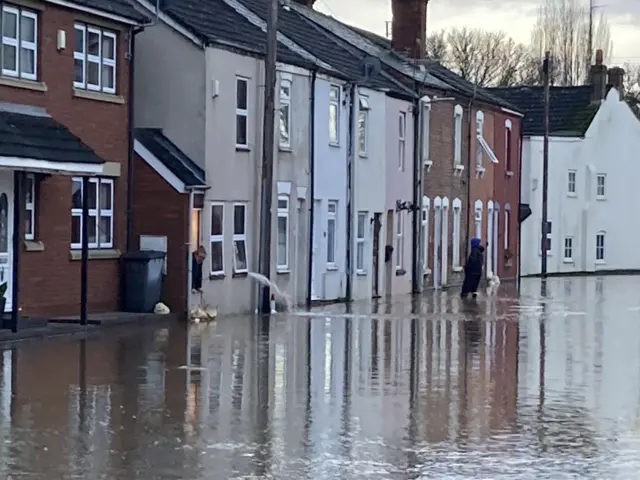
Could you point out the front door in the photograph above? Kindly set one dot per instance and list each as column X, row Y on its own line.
column 376, row 254
column 6, row 233
column 388, row 254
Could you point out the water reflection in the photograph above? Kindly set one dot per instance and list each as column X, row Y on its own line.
column 429, row 389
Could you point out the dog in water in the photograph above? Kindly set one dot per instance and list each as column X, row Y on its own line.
column 493, row 282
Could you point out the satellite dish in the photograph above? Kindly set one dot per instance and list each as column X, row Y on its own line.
column 370, row 67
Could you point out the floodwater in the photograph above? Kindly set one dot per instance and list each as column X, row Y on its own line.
column 508, row 388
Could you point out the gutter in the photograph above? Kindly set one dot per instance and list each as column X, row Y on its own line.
column 312, row 160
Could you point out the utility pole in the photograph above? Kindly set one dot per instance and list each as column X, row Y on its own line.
column 268, row 139
column 545, row 169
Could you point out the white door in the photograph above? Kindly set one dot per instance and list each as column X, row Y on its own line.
column 489, row 236
column 445, row 243
column 496, row 216
column 437, row 241
column 6, row 233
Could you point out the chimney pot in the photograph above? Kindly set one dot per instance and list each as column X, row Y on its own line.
column 599, row 57
column 598, row 79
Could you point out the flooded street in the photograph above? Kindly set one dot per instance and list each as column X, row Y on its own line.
column 507, row 388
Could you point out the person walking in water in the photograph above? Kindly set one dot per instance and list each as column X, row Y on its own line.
column 473, row 269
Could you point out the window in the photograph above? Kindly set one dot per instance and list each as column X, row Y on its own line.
column 242, row 112
column 361, row 241
column 240, row 238
column 100, row 226
column 600, row 186
column 478, row 218
column 457, row 133
column 600, row 247
column 508, row 145
column 479, row 132
column 507, row 222
column 426, row 128
column 457, row 207
column 571, row 182
column 30, row 208
column 568, row 249
column 332, row 214
column 363, row 125
column 285, row 113
column 216, row 238
column 426, row 204
column 282, row 254
column 334, row 115
column 19, row 42
column 399, row 241
column 94, row 59
column 402, row 131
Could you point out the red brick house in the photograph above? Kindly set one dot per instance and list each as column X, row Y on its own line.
column 64, row 116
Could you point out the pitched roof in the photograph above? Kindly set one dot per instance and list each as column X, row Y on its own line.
column 570, row 109
column 40, row 137
column 171, row 156
column 217, row 24
column 122, row 8
column 325, row 46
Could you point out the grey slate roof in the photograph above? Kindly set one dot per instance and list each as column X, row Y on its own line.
column 570, row 109
column 122, row 8
column 216, row 23
column 171, row 156
column 41, row 138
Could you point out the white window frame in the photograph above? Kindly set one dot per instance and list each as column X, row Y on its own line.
column 20, row 44
column 457, row 213
column 399, row 241
column 426, row 206
column 402, row 135
column 361, row 241
column 335, row 92
column 99, row 59
column 240, row 237
column 507, row 221
column 549, row 237
column 332, row 217
column 283, row 212
column 242, row 112
column 478, row 219
column 285, row 101
column 572, row 176
column 602, row 195
column 567, row 247
column 363, row 114
column 30, row 207
column 479, row 133
column 95, row 214
column 426, row 129
column 600, row 249
column 217, row 238
column 508, row 140
column 457, row 135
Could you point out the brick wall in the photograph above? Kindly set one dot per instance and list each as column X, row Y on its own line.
column 50, row 281
column 172, row 220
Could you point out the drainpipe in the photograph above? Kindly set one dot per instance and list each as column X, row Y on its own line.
column 416, row 276
column 312, row 162
column 470, row 217
column 189, row 248
column 351, row 147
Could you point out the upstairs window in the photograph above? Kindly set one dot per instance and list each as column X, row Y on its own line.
column 242, row 112
column 508, row 145
column 600, row 186
column 334, row 115
column 457, row 136
column 285, row 113
column 402, row 133
column 19, row 42
column 363, row 126
column 94, row 58
column 571, row 182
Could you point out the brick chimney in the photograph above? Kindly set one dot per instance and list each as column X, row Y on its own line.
column 306, row 3
column 616, row 80
column 598, row 79
column 409, row 27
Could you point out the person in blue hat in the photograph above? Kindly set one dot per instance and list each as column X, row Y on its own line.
column 473, row 269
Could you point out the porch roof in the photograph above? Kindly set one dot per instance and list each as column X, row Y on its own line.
column 36, row 142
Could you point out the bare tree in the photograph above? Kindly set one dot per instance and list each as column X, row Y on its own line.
column 437, row 48
column 562, row 27
column 632, row 86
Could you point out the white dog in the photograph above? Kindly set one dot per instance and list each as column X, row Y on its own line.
column 492, row 284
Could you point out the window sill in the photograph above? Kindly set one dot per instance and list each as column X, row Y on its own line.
column 285, row 148
column 243, row 148
column 96, row 254
column 361, row 273
column 216, row 276
column 572, row 195
column 22, row 83
column 332, row 268
column 362, row 155
column 509, row 173
column 426, row 271
column 601, row 198
column 98, row 96
column 33, row 246
column 283, row 271
column 600, row 262
column 336, row 145
column 458, row 269
column 567, row 260
column 240, row 274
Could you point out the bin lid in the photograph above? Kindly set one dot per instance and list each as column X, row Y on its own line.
column 142, row 255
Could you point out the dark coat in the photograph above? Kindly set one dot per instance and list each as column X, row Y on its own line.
column 475, row 262
column 196, row 273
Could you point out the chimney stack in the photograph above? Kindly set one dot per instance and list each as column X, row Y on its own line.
column 598, row 79
column 616, row 80
column 306, row 3
column 409, row 27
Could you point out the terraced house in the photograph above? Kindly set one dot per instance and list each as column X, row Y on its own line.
column 64, row 136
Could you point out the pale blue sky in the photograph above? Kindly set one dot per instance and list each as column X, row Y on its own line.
column 513, row 16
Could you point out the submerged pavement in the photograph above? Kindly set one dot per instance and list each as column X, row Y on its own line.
column 506, row 388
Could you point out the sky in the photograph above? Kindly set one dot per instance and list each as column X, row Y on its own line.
column 515, row 17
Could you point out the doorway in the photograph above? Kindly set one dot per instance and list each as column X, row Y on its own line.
column 317, row 221
column 6, row 234
column 376, row 254
column 437, row 242
column 388, row 254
